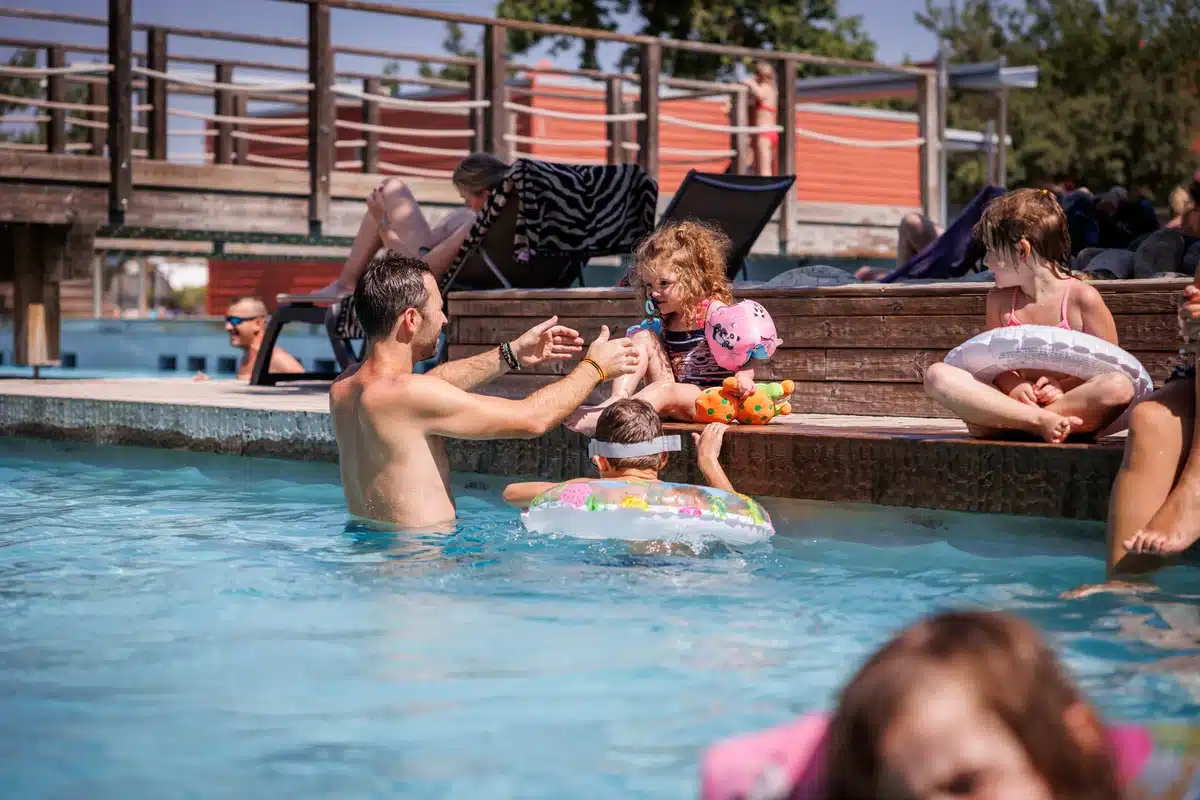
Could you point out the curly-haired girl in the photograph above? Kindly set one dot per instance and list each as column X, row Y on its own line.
column 680, row 277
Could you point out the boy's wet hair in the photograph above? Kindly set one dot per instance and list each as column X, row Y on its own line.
column 1016, row 676
column 696, row 252
column 630, row 422
column 1030, row 214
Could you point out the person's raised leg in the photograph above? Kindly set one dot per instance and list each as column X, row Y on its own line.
column 393, row 220
column 1176, row 525
column 915, row 233
column 1160, row 429
column 1098, row 402
column 366, row 245
column 983, row 407
column 653, row 365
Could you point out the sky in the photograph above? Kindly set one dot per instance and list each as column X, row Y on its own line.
column 889, row 22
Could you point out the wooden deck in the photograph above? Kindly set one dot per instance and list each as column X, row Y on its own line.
column 856, row 349
column 900, row 461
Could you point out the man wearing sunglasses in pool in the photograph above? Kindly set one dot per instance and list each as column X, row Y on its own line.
column 390, row 423
column 245, row 322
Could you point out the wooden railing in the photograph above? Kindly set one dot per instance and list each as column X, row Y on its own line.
column 128, row 103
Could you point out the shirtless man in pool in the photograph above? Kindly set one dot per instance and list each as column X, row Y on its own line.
column 389, row 423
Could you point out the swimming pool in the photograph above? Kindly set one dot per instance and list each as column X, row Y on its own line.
column 180, row 625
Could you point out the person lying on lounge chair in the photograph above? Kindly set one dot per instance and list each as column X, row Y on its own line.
column 394, row 221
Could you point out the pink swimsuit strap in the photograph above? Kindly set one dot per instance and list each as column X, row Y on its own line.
column 1063, row 321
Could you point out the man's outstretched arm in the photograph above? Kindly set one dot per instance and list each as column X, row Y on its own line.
column 445, row 410
column 547, row 341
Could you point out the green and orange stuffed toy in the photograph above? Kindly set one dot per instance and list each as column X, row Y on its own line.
column 722, row 404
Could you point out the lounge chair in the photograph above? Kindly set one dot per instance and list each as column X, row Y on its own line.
column 739, row 205
column 340, row 324
column 537, row 231
column 955, row 252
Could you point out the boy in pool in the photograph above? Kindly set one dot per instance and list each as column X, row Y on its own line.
column 630, row 446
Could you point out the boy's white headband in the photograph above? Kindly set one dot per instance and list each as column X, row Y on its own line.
column 662, row 444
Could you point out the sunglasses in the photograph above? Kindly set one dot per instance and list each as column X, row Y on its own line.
column 235, row 321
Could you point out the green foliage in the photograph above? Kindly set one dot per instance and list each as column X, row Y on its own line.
column 453, row 43
column 812, row 26
column 1116, row 101
column 596, row 14
column 189, row 300
column 33, row 88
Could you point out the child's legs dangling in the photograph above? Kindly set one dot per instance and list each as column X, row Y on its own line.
column 671, row 400
column 653, row 365
column 1160, row 433
column 983, row 406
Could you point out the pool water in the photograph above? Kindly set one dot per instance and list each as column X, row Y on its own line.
column 175, row 625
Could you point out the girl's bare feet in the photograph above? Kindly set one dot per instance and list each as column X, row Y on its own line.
column 1054, row 428
column 1175, row 527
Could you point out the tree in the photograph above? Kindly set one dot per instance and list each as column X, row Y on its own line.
column 14, row 86
column 454, row 43
column 1116, row 101
column 812, row 26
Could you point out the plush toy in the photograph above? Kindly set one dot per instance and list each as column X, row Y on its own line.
column 722, row 404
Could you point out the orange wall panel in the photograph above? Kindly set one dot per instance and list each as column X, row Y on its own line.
column 229, row 280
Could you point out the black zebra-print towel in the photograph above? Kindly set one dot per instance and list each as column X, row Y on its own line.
column 581, row 210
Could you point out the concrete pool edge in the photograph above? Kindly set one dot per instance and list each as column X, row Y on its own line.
column 889, row 468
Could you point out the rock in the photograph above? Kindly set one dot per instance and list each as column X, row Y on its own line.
column 1162, row 251
column 815, row 275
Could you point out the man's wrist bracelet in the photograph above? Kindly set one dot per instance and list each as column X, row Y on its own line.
column 599, row 370
column 509, row 358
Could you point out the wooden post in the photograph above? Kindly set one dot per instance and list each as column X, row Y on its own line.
column 35, row 294
column 943, row 104
column 614, row 103
column 141, row 284
column 120, row 108
column 156, row 94
column 223, row 100
column 56, row 92
column 97, row 96
column 478, row 116
column 370, row 116
column 739, row 117
column 1002, row 133
column 97, row 286
column 321, row 116
column 649, row 67
column 786, row 79
column 240, row 104
column 929, row 129
column 989, row 150
column 495, row 74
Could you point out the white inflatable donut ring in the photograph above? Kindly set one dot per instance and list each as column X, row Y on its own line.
column 1042, row 347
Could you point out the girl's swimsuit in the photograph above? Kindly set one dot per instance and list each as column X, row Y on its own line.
column 773, row 136
column 1063, row 322
column 691, row 359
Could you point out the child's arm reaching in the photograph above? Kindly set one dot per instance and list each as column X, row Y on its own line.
column 522, row 494
column 708, row 449
column 745, row 379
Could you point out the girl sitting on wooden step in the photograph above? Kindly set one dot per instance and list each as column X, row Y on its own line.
column 680, row 277
column 1025, row 233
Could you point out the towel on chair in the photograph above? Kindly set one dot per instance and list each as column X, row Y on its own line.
column 580, row 210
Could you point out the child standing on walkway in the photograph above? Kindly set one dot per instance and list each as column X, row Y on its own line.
column 1025, row 233
column 680, row 277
